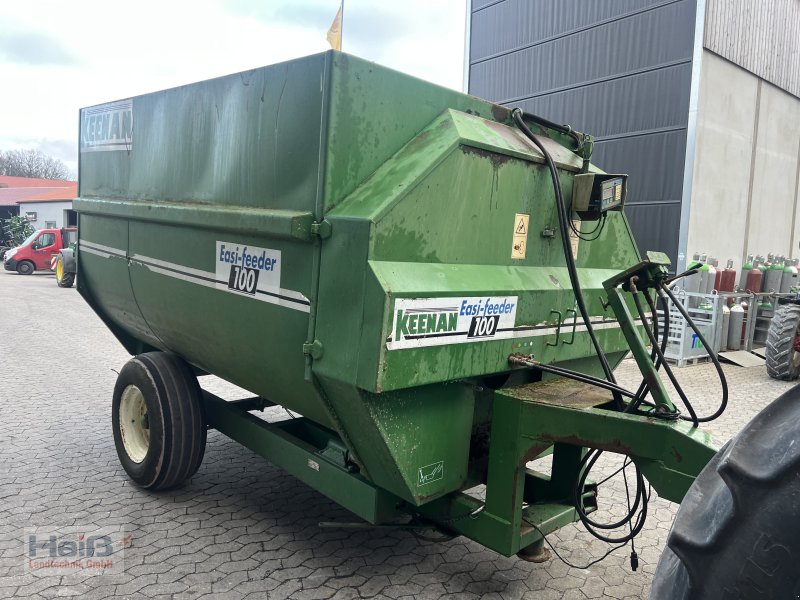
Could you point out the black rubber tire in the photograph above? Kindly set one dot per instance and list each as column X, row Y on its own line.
column 780, row 353
column 67, row 279
column 3, row 250
column 26, row 267
column 177, row 423
column 737, row 533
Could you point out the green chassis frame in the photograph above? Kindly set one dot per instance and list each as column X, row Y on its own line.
column 521, row 504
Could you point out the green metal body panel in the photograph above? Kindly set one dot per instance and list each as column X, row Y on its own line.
column 389, row 206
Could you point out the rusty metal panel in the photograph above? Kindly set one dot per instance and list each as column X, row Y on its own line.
column 762, row 37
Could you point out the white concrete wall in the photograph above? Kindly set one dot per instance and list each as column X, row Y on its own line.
column 774, row 194
column 46, row 211
column 744, row 184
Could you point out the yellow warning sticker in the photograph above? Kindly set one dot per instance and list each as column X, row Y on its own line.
column 519, row 238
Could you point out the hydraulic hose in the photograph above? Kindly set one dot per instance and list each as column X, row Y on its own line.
column 516, row 359
column 667, row 368
column 565, row 129
column 571, row 268
column 644, row 389
column 711, row 353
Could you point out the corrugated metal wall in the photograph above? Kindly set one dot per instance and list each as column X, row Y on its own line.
column 762, row 37
column 619, row 69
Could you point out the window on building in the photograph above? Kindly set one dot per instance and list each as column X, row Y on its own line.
column 49, row 224
column 70, row 218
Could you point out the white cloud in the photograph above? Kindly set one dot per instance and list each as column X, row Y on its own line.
column 115, row 50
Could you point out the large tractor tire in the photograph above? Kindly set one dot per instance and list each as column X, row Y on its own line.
column 737, row 533
column 63, row 279
column 783, row 343
column 158, row 420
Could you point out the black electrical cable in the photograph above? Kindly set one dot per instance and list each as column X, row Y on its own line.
column 594, row 233
column 569, row 564
column 711, row 353
column 571, row 268
column 641, row 499
column 595, row 456
column 667, row 368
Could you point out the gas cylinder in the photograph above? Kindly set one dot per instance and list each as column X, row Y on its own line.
column 735, row 327
column 763, row 265
column 703, row 283
column 754, row 276
column 691, row 283
column 748, row 264
column 773, row 276
column 727, row 279
column 789, row 278
column 711, row 282
column 704, row 273
column 725, row 328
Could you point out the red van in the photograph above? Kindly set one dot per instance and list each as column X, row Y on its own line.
column 35, row 252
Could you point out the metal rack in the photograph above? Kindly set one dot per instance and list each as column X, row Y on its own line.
column 683, row 346
column 706, row 310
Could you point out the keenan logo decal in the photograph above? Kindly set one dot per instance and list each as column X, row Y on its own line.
column 411, row 322
column 107, row 127
column 422, row 322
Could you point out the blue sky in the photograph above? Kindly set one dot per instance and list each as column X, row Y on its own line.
column 57, row 56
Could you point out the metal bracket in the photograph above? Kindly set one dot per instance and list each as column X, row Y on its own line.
column 322, row 229
column 314, row 349
column 647, row 275
column 574, row 325
column 558, row 327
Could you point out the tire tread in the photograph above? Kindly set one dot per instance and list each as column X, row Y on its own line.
column 780, row 343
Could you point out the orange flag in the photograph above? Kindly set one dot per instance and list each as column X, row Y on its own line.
column 335, row 31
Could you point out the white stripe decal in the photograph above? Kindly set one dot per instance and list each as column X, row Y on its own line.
column 281, row 297
column 565, row 329
column 521, row 332
column 91, row 250
column 162, row 263
column 84, row 245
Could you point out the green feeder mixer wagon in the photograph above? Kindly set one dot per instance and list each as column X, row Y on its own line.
column 440, row 286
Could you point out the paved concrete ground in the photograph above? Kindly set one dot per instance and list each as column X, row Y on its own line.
column 242, row 528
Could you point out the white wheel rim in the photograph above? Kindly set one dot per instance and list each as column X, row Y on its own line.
column 134, row 427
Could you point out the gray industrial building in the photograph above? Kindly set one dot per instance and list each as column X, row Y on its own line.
column 697, row 100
